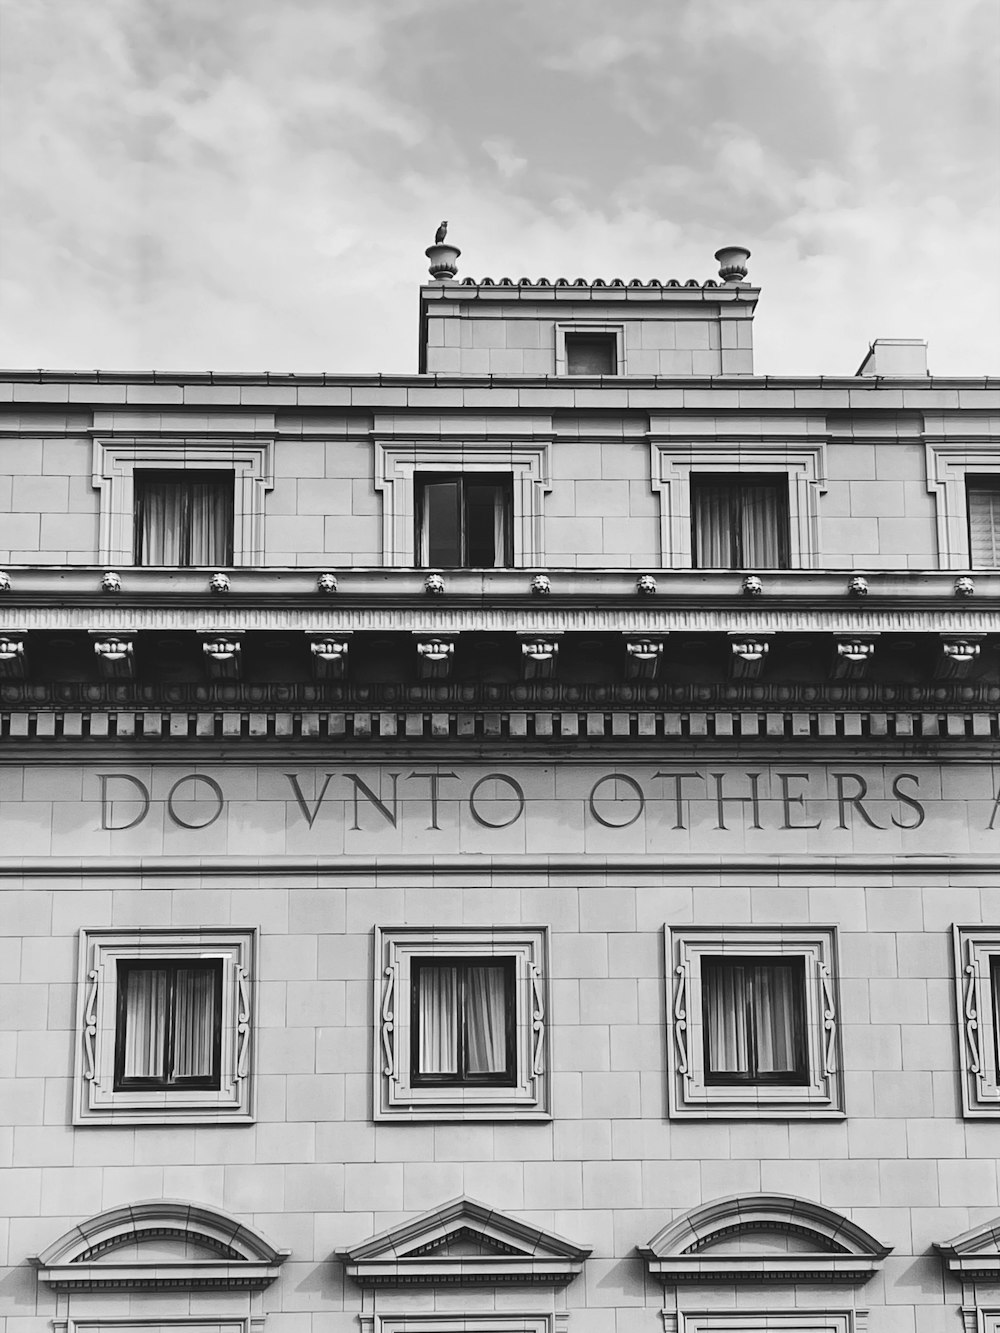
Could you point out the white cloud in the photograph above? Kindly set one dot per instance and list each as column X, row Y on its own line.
column 508, row 163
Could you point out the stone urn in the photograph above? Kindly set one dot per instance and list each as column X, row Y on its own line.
column 443, row 261
column 733, row 263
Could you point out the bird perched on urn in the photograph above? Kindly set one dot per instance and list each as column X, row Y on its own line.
column 441, row 233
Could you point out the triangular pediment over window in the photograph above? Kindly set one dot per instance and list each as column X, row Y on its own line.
column 763, row 1238
column 463, row 1243
column 160, row 1245
column 974, row 1255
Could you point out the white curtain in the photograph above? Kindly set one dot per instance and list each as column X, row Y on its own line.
column 739, row 526
column 169, row 1009
column 486, row 1019
column 984, row 526
column 751, row 1018
column 146, row 1004
column 438, row 1020
column 184, row 520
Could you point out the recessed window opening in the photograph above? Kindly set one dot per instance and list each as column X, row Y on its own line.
column 464, row 520
column 591, row 354
column 169, row 1029
column 463, row 1018
column 983, row 497
column 184, row 518
column 739, row 521
column 754, row 1015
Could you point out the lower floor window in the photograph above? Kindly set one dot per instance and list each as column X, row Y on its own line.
column 169, row 1025
column 462, row 1023
column 463, row 1014
column 754, row 1020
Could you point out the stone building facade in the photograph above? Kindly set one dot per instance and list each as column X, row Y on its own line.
column 506, row 849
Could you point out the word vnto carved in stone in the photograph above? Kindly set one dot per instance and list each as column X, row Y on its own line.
column 785, row 800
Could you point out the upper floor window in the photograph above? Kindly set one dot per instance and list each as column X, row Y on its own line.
column 983, row 497
column 183, row 518
column 739, row 521
column 464, row 520
column 591, row 354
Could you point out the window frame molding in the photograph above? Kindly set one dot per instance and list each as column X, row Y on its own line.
column 777, row 1321
column 395, row 1097
column 673, row 461
column 689, row 1096
column 582, row 326
column 976, row 948
column 116, row 460
column 398, row 461
column 949, row 465
column 95, row 1098
column 553, row 1322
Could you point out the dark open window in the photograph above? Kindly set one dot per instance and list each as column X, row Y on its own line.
column 984, row 521
column 463, row 1021
column 183, row 518
column 754, row 1015
column 591, row 354
column 739, row 521
column 464, row 520
column 169, row 1024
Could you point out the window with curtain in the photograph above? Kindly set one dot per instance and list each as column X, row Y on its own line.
column 591, row 354
column 739, row 521
column 463, row 1017
column 464, row 520
column 184, row 518
column 169, row 1031
column 754, row 1024
column 983, row 495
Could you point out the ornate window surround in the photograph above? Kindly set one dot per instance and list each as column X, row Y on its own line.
column 673, row 461
column 187, row 1324
column 219, row 1252
column 839, row 1250
column 397, row 462
column 95, row 1100
column 689, row 1095
column 117, row 459
column 463, row 1243
column 465, row 1323
column 975, row 949
column 583, row 326
column 948, row 466
column 395, row 1098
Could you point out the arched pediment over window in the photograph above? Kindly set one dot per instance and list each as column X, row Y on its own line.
column 763, row 1238
column 463, row 1243
column 160, row 1245
column 974, row 1256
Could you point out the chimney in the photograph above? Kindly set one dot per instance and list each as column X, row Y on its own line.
column 896, row 358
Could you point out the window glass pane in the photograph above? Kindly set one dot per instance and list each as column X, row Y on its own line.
column 437, row 1019
column 143, row 1014
column 184, row 518
column 753, row 1014
column 486, row 525
column 486, row 1019
column 442, row 526
column 196, row 1021
column 984, row 522
column 591, row 354
column 739, row 522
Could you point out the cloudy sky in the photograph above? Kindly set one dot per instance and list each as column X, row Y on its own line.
column 250, row 184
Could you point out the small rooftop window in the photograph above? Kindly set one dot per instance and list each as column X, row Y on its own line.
column 591, row 354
